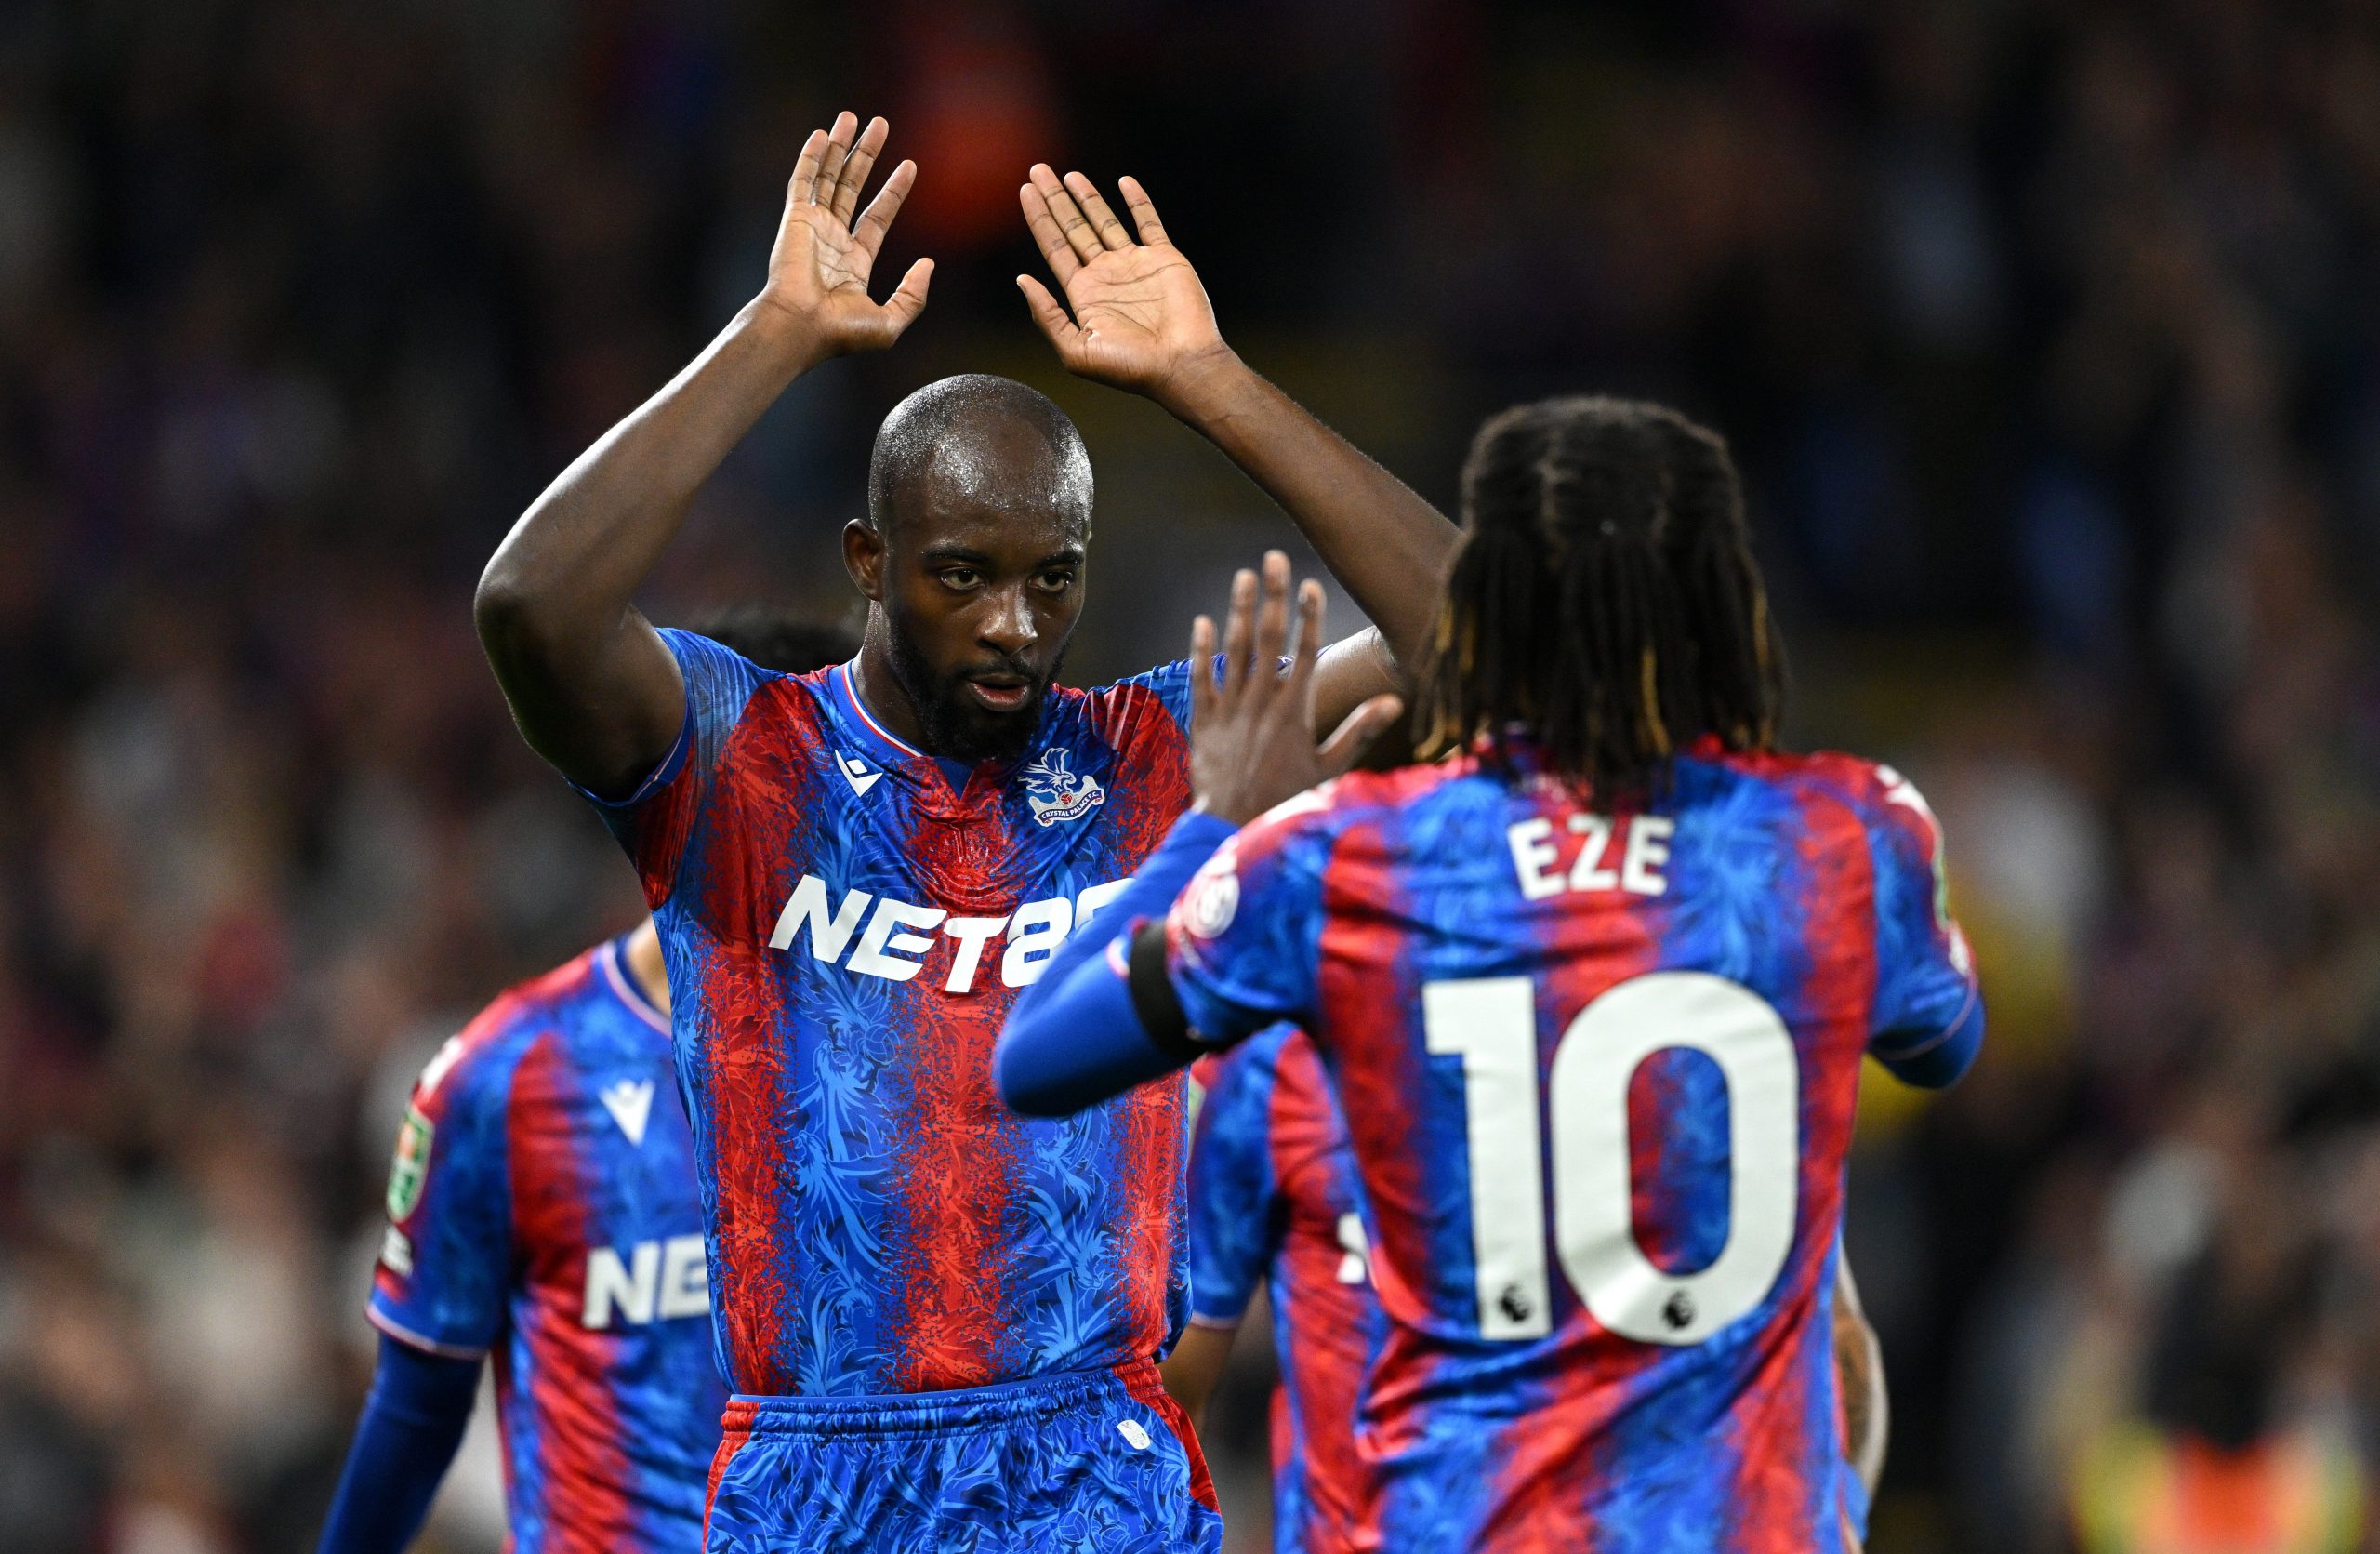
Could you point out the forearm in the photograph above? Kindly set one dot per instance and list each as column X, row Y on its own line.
column 1074, row 1038
column 1386, row 545
column 412, row 1423
column 1191, row 1372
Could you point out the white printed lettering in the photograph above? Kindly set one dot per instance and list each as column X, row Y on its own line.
column 611, row 1285
column 870, row 959
column 667, row 1279
column 971, row 933
column 685, row 1279
column 1533, row 854
column 894, row 939
column 1647, row 850
column 1091, row 900
column 1034, row 934
column 828, row 935
column 1589, row 873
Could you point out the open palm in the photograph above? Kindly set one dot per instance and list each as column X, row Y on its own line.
column 819, row 268
column 1138, row 313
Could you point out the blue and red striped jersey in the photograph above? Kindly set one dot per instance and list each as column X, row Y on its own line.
column 544, row 1213
column 1598, row 1071
column 845, row 928
column 1274, row 1199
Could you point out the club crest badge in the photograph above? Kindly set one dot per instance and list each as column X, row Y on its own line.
column 411, row 1165
column 1056, row 792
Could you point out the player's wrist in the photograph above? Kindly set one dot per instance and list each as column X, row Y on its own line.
column 1206, row 388
column 791, row 336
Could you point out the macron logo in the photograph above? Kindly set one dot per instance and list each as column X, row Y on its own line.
column 858, row 773
column 630, row 1104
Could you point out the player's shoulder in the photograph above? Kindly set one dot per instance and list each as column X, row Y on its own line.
column 1869, row 789
column 730, row 687
column 1400, row 800
column 475, row 1066
column 1154, row 702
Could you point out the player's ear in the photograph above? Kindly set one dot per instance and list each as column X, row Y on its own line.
column 864, row 559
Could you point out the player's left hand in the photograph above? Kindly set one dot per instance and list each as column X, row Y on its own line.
column 1141, row 319
column 1251, row 728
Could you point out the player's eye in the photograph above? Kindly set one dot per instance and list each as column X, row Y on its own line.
column 1056, row 580
column 961, row 578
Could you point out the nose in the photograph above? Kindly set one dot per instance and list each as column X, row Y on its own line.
column 1007, row 626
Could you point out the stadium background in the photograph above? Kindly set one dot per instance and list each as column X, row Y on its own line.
column 2045, row 331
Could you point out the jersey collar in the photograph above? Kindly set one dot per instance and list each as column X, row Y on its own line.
column 611, row 958
column 881, row 743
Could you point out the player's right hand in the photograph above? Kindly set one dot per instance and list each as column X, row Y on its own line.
column 819, row 269
column 1251, row 726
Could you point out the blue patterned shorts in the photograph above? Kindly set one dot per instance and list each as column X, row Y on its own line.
column 1087, row 1460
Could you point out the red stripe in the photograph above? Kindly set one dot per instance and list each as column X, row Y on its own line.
column 580, row 1434
column 734, row 1434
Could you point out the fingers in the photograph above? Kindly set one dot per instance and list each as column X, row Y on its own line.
column 830, row 163
column 1202, row 671
column 1349, row 741
column 1240, row 627
column 1272, row 620
column 1063, row 209
column 805, row 168
column 909, row 299
column 876, row 220
column 1103, row 221
column 1136, row 199
column 853, row 176
column 1308, row 645
column 1047, row 235
column 1062, row 331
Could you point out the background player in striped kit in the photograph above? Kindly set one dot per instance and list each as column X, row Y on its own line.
column 543, row 1211
column 940, row 1320
column 1595, row 995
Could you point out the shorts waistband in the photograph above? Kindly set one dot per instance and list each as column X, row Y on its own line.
column 892, row 1413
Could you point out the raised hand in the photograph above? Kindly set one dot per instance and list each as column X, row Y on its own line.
column 819, row 269
column 1141, row 320
column 1251, row 728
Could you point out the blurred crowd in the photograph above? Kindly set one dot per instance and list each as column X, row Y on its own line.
column 2047, row 335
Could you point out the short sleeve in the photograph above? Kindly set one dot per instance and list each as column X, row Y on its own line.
column 1234, row 1191
column 654, row 823
column 445, row 1256
column 1925, row 984
column 1244, row 938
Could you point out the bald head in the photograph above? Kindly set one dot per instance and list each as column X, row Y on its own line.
column 980, row 442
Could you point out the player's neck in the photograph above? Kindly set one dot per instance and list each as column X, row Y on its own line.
column 643, row 957
column 880, row 690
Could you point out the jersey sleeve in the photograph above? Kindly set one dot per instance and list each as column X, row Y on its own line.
column 1168, row 684
column 1928, row 1006
column 1243, row 942
column 653, row 823
column 445, row 1256
column 1234, row 1191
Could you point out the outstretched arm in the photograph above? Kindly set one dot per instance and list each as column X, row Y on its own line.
column 1141, row 321
column 590, row 684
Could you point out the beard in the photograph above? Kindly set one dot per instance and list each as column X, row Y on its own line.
column 955, row 726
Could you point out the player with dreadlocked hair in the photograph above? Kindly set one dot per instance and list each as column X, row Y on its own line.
column 1593, row 991
column 1605, row 597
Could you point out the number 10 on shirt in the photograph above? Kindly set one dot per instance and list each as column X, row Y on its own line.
column 1491, row 1024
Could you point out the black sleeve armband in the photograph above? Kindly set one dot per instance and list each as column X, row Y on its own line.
column 1153, row 996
